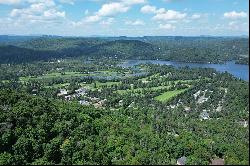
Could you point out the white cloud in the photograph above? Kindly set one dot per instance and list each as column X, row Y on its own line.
column 111, row 9
column 10, row 2
column 92, row 19
column 161, row 10
column 36, row 17
column 235, row 15
column 14, row 2
column 107, row 10
column 43, row 11
column 238, row 26
column 173, row 21
column 67, row 1
column 169, row 15
column 136, row 22
column 195, row 16
column 232, row 23
column 48, row 16
column 53, row 13
column 148, row 9
column 133, row 2
column 167, row 26
column 108, row 21
column 162, row 14
column 172, row 0
column 33, row 9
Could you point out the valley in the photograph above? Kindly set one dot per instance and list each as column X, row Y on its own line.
column 78, row 110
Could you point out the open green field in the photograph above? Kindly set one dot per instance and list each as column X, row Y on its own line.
column 67, row 75
column 58, row 85
column 187, row 82
column 141, row 89
column 98, row 85
column 90, row 86
column 54, row 75
column 169, row 94
column 158, row 77
column 184, row 81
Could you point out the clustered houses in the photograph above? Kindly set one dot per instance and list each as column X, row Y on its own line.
column 204, row 115
column 243, row 123
column 67, row 96
column 82, row 92
column 201, row 97
column 172, row 106
column 62, row 92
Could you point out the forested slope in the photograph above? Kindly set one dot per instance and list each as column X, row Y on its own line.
column 185, row 49
column 37, row 130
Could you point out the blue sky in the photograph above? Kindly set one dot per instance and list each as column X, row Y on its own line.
column 125, row 17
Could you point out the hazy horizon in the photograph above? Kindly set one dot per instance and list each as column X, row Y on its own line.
column 44, row 35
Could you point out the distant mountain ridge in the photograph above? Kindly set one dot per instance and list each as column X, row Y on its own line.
column 124, row 49
column 175, row 48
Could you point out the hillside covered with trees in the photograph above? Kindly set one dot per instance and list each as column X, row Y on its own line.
column 37, row 130
column 184, row 49
column 69, row 113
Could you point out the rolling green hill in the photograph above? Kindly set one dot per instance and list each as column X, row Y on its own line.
column 128, row 49
column 184, row 49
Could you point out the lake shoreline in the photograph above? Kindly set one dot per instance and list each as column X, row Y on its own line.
column 238, row 70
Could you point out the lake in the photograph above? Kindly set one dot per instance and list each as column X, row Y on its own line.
column 239, row 71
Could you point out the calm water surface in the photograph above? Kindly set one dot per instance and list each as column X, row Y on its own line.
column 239, row 71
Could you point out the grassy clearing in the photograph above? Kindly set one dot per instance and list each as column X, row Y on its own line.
column 158, row 77
column 54, row 75
column 169, row 94
column 141, row 89
column 184, row 81
column 99, row 85
column 67, row 75
column 152, row 77
column 58, row 85
column 187, row 82
column 90, row 86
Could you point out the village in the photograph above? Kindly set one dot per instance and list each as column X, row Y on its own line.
column 81, row 93
column 201, row 96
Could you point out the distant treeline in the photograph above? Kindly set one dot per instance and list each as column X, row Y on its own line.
column 185, row 49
